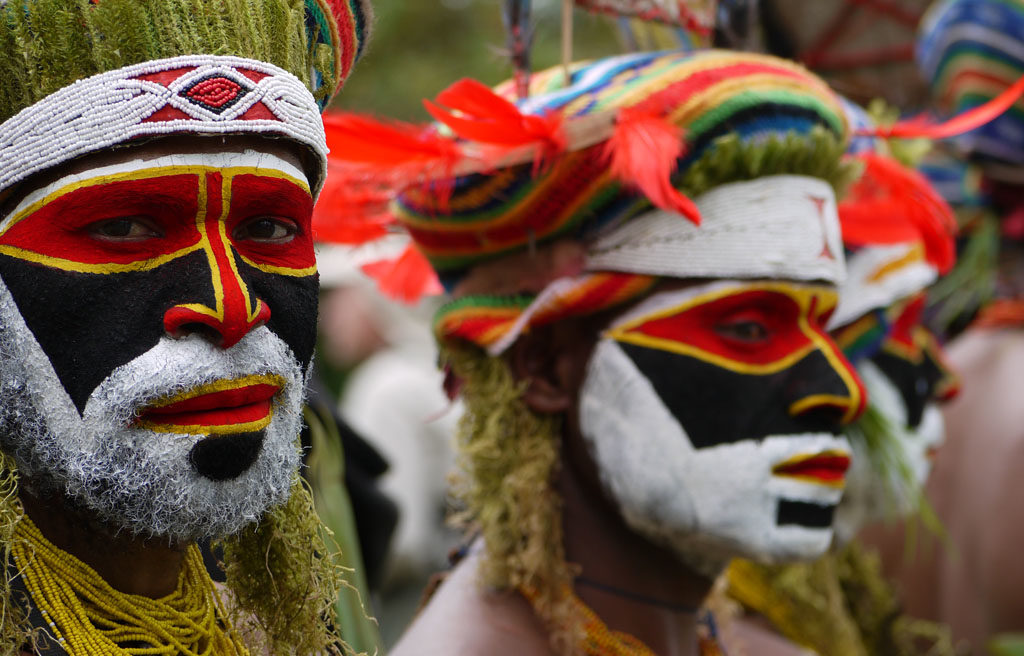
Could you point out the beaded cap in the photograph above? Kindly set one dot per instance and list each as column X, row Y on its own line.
column 84, row 75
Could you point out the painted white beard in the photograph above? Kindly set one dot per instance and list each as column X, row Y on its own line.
column 873, row 495
column 131, row 478
column 708, row 505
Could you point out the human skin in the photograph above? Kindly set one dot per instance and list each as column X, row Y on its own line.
column 463, row 618
column 973, row 582
column 133, row 564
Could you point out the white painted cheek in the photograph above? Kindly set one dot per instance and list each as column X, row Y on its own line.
column 25, row 365
column 639, row 447
column 929, row 435
column 707, row 504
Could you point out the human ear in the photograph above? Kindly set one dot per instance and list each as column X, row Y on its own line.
column 547, row 365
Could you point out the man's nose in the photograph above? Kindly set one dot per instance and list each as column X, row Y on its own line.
column 235, row 310
column 825, row 387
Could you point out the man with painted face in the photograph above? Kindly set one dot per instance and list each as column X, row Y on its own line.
column 898, row 237
column 157, row 320
column 638, row 333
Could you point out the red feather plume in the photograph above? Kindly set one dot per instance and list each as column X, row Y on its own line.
column 959, row 124
column 347, row 214
column 892, row 204
column 389, row 148
column 407, row 278
column 478, row 114
column 644, row 150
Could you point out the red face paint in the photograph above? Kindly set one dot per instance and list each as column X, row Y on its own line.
column 758, row 352
column 102, row 267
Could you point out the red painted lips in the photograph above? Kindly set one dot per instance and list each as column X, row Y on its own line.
column 227, row 406
column 826, row 468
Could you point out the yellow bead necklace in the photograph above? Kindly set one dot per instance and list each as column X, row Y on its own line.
column 90, row 618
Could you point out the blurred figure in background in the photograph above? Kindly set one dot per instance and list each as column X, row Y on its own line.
column 393, row 396
column 970, row 51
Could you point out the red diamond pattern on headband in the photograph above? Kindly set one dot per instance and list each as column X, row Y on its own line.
column 216, row 93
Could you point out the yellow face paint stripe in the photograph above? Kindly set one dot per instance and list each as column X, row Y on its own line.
column 146, row 174
column 82, row 267
column 203, row 429
column 222, row 231
column 802, row 296
column 839, row 365
column 280, row 270
column 221, row 386
column 717, row 360
column 916, row 254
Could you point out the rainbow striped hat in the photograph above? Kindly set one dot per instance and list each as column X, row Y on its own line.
column 970, row 51
column 581, row 195
column 85, row 75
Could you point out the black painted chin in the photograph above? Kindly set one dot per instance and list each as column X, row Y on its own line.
column 805, row 513
column 224, row 457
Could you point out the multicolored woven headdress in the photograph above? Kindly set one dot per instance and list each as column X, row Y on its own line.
column 584, row 193
column 971, row 51
column 84, row 75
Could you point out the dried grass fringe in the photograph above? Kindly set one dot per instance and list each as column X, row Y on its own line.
column 507, row 459
column 43, row 46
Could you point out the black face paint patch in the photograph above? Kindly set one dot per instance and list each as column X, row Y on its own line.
column 916, row 382
column 90, row 324
column 226, row 457
column 802, row 513
column 718, row 406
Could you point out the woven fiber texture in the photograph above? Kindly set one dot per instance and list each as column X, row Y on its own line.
column 709, row 95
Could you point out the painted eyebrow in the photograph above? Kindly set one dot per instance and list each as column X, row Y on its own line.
column 115, row 202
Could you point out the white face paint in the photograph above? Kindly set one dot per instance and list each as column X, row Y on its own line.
column 179, row 438
column 136, row 479
column 872, row 495
column 726, row 497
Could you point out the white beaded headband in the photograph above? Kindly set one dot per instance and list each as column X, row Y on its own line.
column 190, row 94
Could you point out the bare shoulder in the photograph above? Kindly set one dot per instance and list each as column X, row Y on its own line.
column 748, row 636
column 463, row 619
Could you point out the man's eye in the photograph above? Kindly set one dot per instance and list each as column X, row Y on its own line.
column 130, row 228
column 267, row 229
column 743, row 331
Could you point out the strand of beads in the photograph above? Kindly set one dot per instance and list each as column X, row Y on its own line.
column 90, row 618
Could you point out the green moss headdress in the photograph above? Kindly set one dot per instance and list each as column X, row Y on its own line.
column 84, row 75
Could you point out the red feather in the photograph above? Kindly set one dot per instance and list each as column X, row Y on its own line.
column 485, row 117
column 959, row 124
column 644, row 151
column 407, row 278
column 347, row 214
column 891, row 204
column 356, row 139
